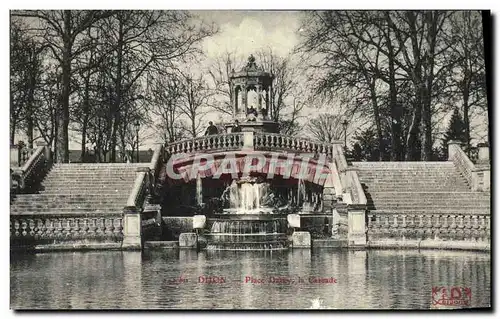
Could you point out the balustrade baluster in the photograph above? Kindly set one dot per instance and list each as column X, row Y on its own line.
column 467, row 221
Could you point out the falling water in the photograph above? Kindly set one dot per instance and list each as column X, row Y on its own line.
column 199, row 191
column 301, row 191
column 245, row 229
column 246, row 197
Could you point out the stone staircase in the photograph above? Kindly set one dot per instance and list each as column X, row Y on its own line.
column 419, row 187
column 80, row 188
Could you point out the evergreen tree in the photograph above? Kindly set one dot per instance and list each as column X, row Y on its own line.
column 455, row 132
column 365, row 147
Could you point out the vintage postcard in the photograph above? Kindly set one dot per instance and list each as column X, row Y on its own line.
column 250, row 160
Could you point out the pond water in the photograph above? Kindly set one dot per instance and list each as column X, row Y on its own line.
column 294, row 279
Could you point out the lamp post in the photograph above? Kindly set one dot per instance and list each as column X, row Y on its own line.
column 137, row 126
column 344, row 125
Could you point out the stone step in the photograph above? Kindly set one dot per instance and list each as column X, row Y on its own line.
column 416, row 177
column 427, row 208
column 99, row 165
column 88, row 193
column 404, row 164
column 75, row 185
column 415, row 189
column 58, row 208
column 88, row 181
column 416, row 200
column 422, row 172
column 427, row 212
column 421, row 186
column 71, row 200
column 93, row 176
column 60, row 195
column 67, row 211
column 459, row 194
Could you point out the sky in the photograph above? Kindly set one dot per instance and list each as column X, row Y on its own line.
column 245, row 32
column 250, row 31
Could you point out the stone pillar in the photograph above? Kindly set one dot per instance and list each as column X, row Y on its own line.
column 199, row 221
column 335, row 224
column 270, row 107
column 46, row 148
column 267, row 100
column 301, row 239
column 248, row 141
column 235, row 101
column 188, row 240
column 244, row 98
column 356, row 228
column 131, row 229
column 452, row 149
column 15, row 155
column 483, row 153
column 259, row 99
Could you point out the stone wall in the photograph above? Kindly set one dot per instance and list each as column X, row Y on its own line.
column 173, row 226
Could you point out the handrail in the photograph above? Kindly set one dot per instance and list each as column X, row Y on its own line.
column 138, row 190
column 477, row 176
column 358, row 194
column 145, row 180
column 349, row 178
column 462, row 162
column 341, row 163
column 33, row 170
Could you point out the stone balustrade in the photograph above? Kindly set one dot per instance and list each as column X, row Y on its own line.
column 33, row 171
column 20, row 155
column 456, row 227
column 477, row 176
column 208, row 143
column 65, row 229
column 292, row 144
column 135, row 218
column 259, row 141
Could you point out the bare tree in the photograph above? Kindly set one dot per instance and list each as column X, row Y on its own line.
column 25, row 76
column 219, row 81
column 165, row 98
column 326, row 128
column 60, row 30
column 194, row 96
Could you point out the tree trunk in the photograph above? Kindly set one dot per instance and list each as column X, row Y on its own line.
column 29, row 111
column 376, row 116
column 12, row 132
column 63, row 118
column 466, row 93
column 118, row 92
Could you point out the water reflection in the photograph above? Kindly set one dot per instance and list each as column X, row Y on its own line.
column 295, row 279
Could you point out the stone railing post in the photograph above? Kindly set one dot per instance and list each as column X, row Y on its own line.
column 131, row 229
column 453, row 149
column 481, row 170
column 483, row 153
column 478, row 175
column 248, row 141
column 15, row 156
column 46, row 149
column 356, row 221
column 132, row 221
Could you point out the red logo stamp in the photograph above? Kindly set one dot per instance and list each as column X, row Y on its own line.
column 451, row 296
